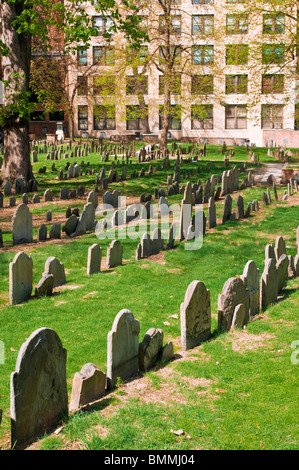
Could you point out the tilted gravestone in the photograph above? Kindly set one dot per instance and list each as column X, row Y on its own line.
column 269, row 284
column 70, row 226
column 39, row 398
column 251, row 279
column 239, row 317
column 233, row 293
column 195, row 314
column 94, row 259
column 227, row 209
column 211, row 213
column 122, row 348
column 269, row 252
column 150, row 348
column 88, row 386
column 53, row 266
column 22, row 225
column 20, row 278
column 114, row 254
column 171, row 236
column 186, row 212
column 45, row 286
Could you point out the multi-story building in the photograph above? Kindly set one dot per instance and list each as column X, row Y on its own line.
column 232, row 75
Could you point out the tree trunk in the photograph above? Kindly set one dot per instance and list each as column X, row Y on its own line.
column 15, row 70
column 165, row 116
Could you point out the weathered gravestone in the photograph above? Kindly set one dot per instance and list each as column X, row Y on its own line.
column 39, row 398
column 186, row 212
column 45, row 286
column 53, row 266
column 227, row 208
column 70, row 225
column 22, row 225
column 150, row 348
column 211, row 213
column 251, row 279
column 195, row 316
column 269, row 252
column 239, row 317
column 48, row 195
column 171, row 236
column 55, row 232
column 122, row 348
column 269, row 286
column 114, row 254
column 88, row 386
column 279, row 248
column 233, row 293
column 282, row 272
column 94, row 259
column 240, row 207
column 20, row 278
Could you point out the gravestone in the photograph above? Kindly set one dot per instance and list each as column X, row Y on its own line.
column 53, row 266
column 88, row 386
column 239, row 317
column 195, row 314
column 240, row 207
column 7, row 188
column 211, row 213
column 233, row 293
column 42, row 233
column 64, row 193
column 282, row 272
column 122, row 348
column 280, row 247
column 269, row 284
column 20, row 278
column 55, row 232
column 157, row 241
column 48, row 195
column 70, row 225
column 93, row 198
column 45, row 286
column 227, row 208
column 171, row 237
column 94, row 259
column 39, row 398
column 114, row 254
column 22, row 225
column 269, row 252
column 186, row 212
column 251, row 279
column 150, row 348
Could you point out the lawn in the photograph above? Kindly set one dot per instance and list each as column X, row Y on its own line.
column 236, row 391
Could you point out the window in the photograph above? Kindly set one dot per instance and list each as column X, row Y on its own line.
column 82, row 118
column 136, row 57
column 103, row 55
column 104, row 85
column 82, row 55
column 273, row 53
column 101, row 25
column 272, row 84
column 272, row 116
column 56, row 116
column 174, row 84
column 81, row 85
column 273, row 23
column 237, row 54
column 202, row 84
column 134, row 116
column 174, row 117
column 236, row 117
column 174, row 24
column 104, row 117
column 137, row 85
column 202, row 24
column 236, row 84
column 202, row 55
column 236, row 24
column 201, row 116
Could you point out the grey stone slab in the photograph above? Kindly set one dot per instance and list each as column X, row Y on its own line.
column 88, row 386
column 20, row 278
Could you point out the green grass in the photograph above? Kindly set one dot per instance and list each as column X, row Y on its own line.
column 222, row 397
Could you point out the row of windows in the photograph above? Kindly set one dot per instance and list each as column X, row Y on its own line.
column 200, row 85
column 273, row 23
column 236, row 54
column 104, row 117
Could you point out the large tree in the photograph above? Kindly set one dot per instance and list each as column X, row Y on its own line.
column 26, row 24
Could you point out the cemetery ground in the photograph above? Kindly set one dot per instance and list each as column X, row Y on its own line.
column 238, row 390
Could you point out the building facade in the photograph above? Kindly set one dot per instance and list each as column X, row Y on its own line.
column 231, row 72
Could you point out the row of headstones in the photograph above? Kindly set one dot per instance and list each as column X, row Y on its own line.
column 20, row 187
column 241, row 298
column 37, row 406
column 21, row 272
column 149, row 246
